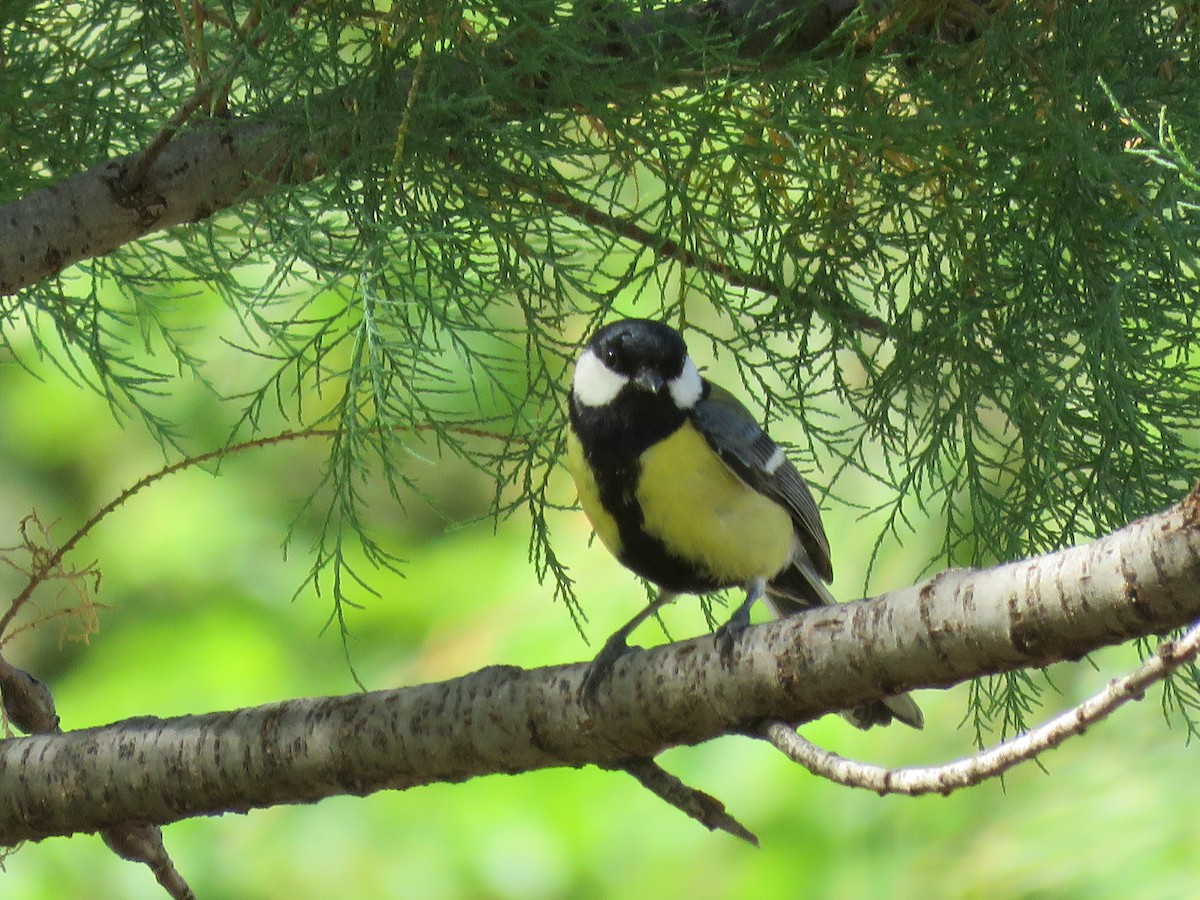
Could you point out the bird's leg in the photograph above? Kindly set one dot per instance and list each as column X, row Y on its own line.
column 728, row 634
column 616, row 647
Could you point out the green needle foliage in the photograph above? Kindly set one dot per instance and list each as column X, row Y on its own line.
column 957, row 247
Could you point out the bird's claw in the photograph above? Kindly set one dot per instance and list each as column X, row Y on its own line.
column 600, row 671
column 729, row 635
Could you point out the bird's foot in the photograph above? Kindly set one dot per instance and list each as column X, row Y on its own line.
column 729, row 635
column 601, row 669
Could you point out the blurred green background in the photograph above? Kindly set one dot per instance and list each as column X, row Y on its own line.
column 199, row 616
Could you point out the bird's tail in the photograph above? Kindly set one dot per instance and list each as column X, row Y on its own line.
column 798, row 588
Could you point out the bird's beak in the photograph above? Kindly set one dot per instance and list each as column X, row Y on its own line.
column 649, row 380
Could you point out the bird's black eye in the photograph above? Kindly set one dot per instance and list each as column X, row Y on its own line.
column 612, row 357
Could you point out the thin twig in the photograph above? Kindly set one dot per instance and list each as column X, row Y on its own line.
column 51, row 560
column 206, row 88
column 670, row 249
column 135, row 176
column 185, row 27
column 432, row 25
column 973, row 770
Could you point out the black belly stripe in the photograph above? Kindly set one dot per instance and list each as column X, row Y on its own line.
column 641, row 552
column 629, row 428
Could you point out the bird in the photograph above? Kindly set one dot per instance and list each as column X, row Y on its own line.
column 685, row 489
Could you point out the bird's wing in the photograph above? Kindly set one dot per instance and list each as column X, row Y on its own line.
column 732, row 432
column 758, row 461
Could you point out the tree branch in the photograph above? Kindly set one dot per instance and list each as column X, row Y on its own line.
column 605, row 57
column 992, row 763
column 666, row 248
column 90, row 214
column 1141, row 580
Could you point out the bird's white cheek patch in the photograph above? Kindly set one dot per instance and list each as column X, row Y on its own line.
column 595, row 383
column 687, row 386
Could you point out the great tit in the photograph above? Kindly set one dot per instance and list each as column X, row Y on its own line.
column 684, row 488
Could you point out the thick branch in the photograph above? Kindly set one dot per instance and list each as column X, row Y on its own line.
column 601, row 57
column 1142, row 580
column 198, row 173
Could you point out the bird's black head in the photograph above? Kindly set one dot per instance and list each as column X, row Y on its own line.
column 634, row 385
column 645, row 351
column 640, row 356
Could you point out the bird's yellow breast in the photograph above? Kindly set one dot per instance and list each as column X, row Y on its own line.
column 696, row 507
column 693, row 503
